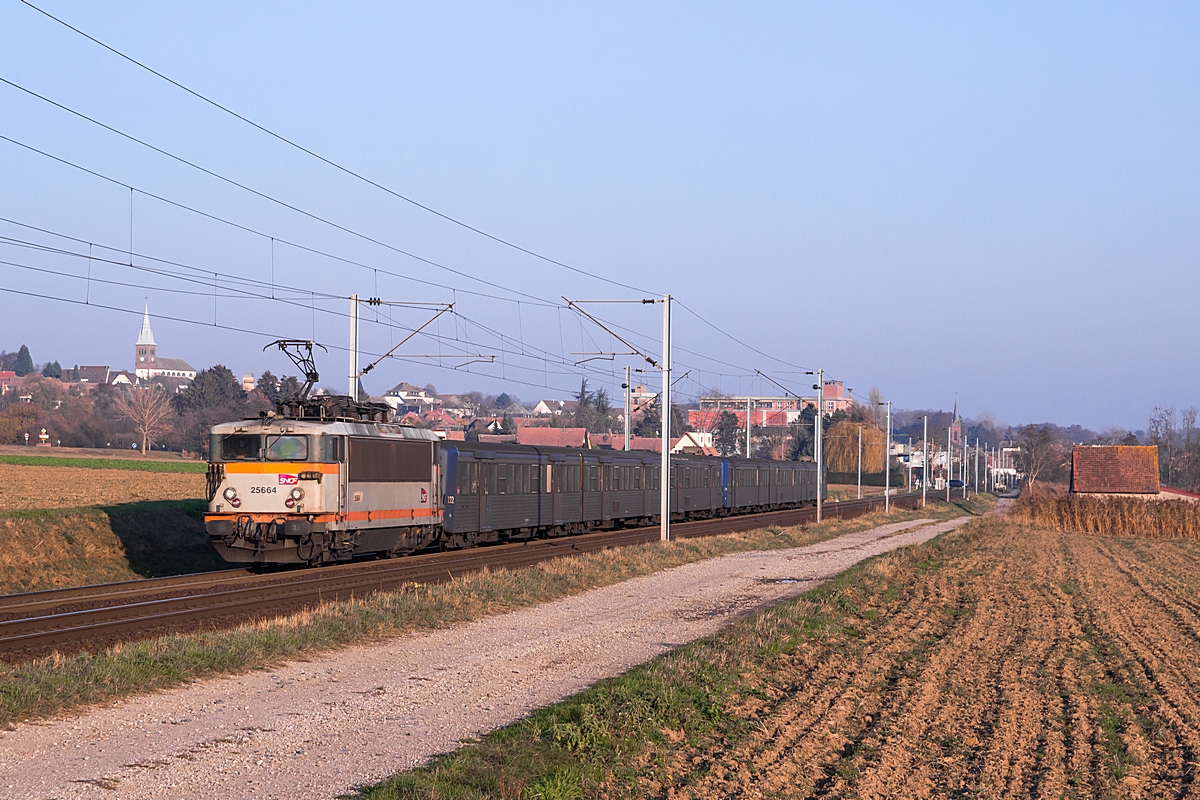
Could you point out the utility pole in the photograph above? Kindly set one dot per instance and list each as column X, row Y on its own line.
column 925, row 463
column 664, row 493
column 820, row 437
column 977, row 466
column 747, row 427
column 964, row 468
column 887, row 464
column 860, row 462
column 353, row 391
column 628, row 408
column 949, row 461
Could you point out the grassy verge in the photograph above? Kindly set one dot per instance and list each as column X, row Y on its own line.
column 47, row 686
column 55, row 548
column 148, row 465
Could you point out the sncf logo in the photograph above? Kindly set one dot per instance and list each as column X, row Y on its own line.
column 288, row 480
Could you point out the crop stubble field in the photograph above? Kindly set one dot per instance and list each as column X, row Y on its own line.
column 998, row 661
column 32, row 487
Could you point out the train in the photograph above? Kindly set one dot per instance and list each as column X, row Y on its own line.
column 333, row 480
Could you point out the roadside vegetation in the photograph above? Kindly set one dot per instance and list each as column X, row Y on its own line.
column 997, row 660
column 1055, row 508
column 47, row 686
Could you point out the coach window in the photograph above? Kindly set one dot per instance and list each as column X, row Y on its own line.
column 593, row 479
column 502, row 478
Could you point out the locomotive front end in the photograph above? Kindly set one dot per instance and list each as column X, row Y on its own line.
column 268, row 485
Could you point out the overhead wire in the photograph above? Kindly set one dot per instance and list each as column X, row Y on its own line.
column 338, row 226
column 273, row 239
column 334, row 164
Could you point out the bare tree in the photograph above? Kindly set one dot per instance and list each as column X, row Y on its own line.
column 875, row 402
column 149, row 410
column 1042, row 452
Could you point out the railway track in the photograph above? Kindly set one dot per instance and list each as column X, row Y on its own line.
column 90, row 617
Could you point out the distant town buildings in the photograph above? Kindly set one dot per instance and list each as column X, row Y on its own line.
column 769, row 411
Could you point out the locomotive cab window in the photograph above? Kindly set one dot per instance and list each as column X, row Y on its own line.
column 241, row 447
column 287, row 448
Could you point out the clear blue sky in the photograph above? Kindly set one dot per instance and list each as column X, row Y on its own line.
column 995, row 201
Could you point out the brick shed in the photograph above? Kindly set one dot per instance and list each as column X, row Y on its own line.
column 1114, row 470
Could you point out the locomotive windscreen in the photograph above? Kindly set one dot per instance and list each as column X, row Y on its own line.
column 385, row 460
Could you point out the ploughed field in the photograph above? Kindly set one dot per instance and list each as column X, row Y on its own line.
column 33, row 487
column 996, row 661
column 1020, row 663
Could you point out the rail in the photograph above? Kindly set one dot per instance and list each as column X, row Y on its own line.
column 36, row 623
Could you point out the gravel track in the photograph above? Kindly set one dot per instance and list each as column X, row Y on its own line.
column 320, row 728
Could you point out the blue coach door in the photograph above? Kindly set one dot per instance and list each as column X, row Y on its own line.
column 724, row 484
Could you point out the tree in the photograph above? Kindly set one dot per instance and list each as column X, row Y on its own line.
column 268, row 384
column 1042, row 453
column 24, row 363
column 289, row 388
column 52, row 370
column 650, row 424
column 211, row 388
column 503, row 401
column 727, row 434
column 149, row 410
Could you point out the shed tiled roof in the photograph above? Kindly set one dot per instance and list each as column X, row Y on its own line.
column 1114, row 469
column 553, row 437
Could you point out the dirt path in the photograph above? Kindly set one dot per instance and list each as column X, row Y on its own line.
column 1024, row 664
column 320, row 728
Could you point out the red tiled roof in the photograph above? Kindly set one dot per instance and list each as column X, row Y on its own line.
column 553, row 437
column 1116, row 469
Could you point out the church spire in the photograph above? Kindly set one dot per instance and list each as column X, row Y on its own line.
column 147, row 335
column 956, row 417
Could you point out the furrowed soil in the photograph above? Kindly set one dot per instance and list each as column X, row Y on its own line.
column 996, row 661
column 28, row 487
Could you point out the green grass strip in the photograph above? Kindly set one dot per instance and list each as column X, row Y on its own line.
column 149, row 465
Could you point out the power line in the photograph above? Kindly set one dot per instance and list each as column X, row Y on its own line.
column 247, row 229
column 334, row 164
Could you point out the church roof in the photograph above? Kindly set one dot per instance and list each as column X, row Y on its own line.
column 147, row 335
column 174, row 365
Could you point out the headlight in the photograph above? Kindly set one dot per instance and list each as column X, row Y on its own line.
column 230, row 494
column 297, row 493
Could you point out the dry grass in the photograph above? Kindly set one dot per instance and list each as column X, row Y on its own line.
column 51, row 685
column 1055, row 509
column 58, row 548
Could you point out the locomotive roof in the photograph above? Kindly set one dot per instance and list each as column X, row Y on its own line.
column 277, row 425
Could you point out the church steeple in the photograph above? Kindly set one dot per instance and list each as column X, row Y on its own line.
column 147, row 335
column 145, row 363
